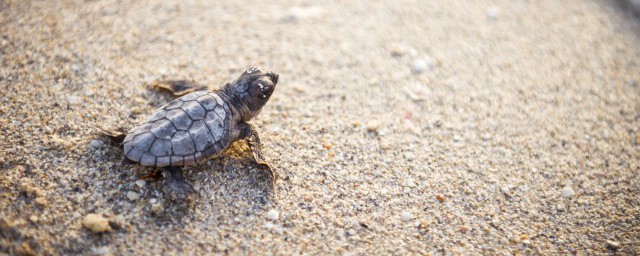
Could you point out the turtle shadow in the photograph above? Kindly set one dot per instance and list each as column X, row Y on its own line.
column 223, row 185
column 231, row 181
column 627, row 9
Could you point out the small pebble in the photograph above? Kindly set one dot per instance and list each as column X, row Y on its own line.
column 96, row 144
column 364, row 223
column 409, row 183
column 373, row 126
column 419, row 66
column 440, row 198
column 612, row 244
column 307, row 198
column 406, row 216
column 397, row 51
column 269, row 225
column 157, row 208
column 136, row 110
column 298, row 13
column 567, row 192
column 297, row 87
column 73, row 100
column 327, row 145
column 133, row 196
column 141, row 183
column 104, row 250
column 96, row 223
column 581, row 202
column 117, row 221
column 424, row 225
column 273, row 214
column 417, row 92
column 41, row 201
column 32, row 190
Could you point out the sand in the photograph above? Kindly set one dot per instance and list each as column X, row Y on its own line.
column 398, row 127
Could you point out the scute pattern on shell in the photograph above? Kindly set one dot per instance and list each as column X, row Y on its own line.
column 185, row 131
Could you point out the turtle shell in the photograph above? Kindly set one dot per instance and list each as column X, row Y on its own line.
column 187, row 130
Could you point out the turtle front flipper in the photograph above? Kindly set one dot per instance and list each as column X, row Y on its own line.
column 253, row 140
column 178, row 87
column 176, row 187
column 257, row 155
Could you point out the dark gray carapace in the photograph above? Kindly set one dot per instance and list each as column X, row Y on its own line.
column 199, row 126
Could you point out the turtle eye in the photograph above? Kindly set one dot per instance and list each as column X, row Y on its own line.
column 264, row 90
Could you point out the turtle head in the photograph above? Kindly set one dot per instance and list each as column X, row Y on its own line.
column 252, row 90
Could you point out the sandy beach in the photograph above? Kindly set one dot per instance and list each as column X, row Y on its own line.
column 397, row 128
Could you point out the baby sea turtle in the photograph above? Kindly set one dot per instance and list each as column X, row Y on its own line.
column 200, row 125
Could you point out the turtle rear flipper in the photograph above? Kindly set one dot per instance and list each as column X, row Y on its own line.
column 178, row 87
column 176, row 187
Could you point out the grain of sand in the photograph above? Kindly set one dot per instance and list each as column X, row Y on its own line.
column 398, row 127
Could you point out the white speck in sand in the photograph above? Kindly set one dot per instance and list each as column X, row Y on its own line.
column 568, row 192
column 406, row 216
column 273, row 214
column 493, row 12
